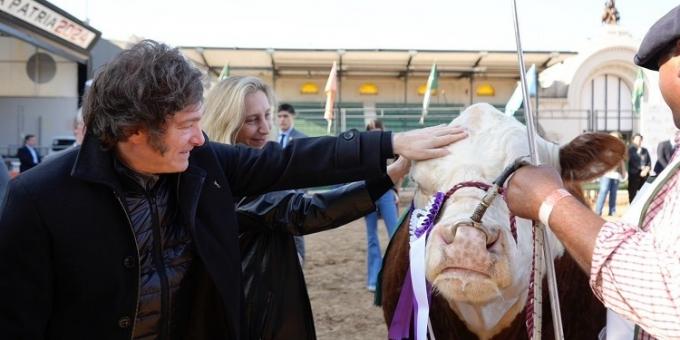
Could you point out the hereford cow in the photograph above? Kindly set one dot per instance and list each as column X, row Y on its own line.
column 480, row 285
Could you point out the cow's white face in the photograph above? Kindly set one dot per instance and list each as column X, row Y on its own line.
column 484, row 281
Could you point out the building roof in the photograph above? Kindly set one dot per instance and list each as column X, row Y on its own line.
column 366, row 62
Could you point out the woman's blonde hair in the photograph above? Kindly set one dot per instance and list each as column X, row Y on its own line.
column 225, row 106
column 616, row 134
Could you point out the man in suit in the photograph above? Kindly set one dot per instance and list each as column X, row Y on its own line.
column 639, row 165
column 286, row 122
column 287, row 132
column 664, row 151
column 28, row 155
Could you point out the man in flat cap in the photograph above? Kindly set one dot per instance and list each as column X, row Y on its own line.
column 634, row 265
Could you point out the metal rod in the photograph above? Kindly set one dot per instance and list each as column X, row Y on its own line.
column 531, row 126
column 552, row 286
column 484, row 204
column 540, row 234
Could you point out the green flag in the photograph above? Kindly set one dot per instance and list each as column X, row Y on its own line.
column 638, row 91
column 432, row 84
column 225, row 72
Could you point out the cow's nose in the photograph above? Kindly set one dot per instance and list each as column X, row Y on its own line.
column 469, row 247
column 482, row 234
column 468, row 235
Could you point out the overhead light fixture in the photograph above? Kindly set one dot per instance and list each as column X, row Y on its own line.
column 368, row 89
column 309, row 88
column 422, row 88
column 486, row 90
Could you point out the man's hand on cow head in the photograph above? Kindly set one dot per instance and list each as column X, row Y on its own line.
column 427, row 143
column 398, row 169
column 528, row 187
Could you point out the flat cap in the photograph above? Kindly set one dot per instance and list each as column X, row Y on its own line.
column 658, row 39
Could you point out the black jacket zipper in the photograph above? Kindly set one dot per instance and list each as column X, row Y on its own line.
column 160, row 267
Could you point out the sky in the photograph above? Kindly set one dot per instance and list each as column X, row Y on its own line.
column 546, row 25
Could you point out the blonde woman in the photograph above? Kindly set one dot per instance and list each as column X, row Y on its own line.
column 238, row 111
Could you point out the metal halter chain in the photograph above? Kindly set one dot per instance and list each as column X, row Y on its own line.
column 531, row 317
column 438, row 201
column 476, row 219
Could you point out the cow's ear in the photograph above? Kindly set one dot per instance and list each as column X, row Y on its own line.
column 590, row 155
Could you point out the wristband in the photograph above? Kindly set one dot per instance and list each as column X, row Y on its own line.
column 549, row 203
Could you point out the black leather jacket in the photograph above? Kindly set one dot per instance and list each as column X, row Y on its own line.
column 277, row 304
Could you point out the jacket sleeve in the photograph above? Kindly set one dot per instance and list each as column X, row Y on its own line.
column 647, row 160
column 300, row 214
column 306, row 162
column 26, row 282
column 4, row 178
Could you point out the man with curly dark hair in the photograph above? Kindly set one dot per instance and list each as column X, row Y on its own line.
column 134, row 234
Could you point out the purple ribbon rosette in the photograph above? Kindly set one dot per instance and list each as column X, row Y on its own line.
column 416, row 291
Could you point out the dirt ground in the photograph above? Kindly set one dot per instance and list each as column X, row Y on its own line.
column 335, row 271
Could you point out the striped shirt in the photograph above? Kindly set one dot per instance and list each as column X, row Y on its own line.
column 636, row 270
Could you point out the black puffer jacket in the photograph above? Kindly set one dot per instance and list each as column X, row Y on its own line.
column 164, row 247
column 277, row 305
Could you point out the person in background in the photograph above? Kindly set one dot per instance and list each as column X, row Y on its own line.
column 664, row 151
column 609, row 184
column 238, row 111
column 639, row 166
column 386, row 206
column 286, row 122
column 28, row 155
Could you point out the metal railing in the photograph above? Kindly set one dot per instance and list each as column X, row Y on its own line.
column 403, row 118
column 312, row 123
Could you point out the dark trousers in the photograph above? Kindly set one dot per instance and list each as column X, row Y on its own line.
column 635, row 182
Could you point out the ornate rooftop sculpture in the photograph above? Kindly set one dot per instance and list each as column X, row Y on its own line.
column 611, row 14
